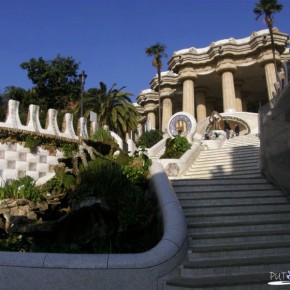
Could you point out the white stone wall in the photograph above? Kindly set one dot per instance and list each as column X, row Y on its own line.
column 16, row 161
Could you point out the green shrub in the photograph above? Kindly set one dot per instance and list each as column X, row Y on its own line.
column 176, row 147
column 102, row 135
column 16, row 243
column 101, row 178
column 150, row 138
column 21, row 188
column 126, row 206
column 68, row 149
column 32, row 143
column 60, row 183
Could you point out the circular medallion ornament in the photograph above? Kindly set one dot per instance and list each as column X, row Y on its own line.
column 181, row 124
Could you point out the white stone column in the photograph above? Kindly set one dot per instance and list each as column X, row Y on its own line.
column 167, row 112
column 270, row 78
column 152, row 119
column 200, row 105
column 140, row 130
column 229, row 97
column 239, row 102
column 188, row 76
column 227, row 68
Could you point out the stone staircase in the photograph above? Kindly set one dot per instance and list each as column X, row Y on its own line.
column 238, row 223
column 157, row 156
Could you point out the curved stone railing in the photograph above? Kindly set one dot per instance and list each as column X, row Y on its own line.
column 176, row 167
column 142, row 271
column 155, row 149
column 33, row 124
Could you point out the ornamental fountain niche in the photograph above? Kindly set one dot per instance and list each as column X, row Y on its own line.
column 182, row 124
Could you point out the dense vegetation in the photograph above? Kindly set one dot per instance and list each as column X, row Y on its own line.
column 150, row 138
column 176, row 147
column 102, row 206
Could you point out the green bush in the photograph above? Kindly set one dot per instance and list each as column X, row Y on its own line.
column 16, row 243
column 32, row 143
column 102, row 135
column 21, row 188
column 68, row 149
column 150, row 138
column 101, row 178
column 125, row 205
column 176, row 147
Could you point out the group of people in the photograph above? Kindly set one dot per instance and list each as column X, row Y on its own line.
column 230, row 132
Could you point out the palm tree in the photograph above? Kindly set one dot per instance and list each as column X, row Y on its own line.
column 268, row 8
column 158, row 51
column 114, row 108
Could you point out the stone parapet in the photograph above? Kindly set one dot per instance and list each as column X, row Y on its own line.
column 142, row 271
column 13, row 121
column 16, row 161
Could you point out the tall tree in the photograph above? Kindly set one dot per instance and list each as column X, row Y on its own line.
column 114, row 108
column 56, row 81
column 268, row 8
column 158, row 51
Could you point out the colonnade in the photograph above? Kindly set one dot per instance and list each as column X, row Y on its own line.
column 230, row 75
column 194, row 98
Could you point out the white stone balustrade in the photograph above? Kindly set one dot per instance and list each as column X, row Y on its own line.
column 33, row 125
column 16, row 161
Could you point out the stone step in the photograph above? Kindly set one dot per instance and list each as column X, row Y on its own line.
column 222, row 168
column 236, row 207
column 228, row 280
column 220, row 212
column 230, row 174
column 239, row 249
column 231, row 201
column 224, row 187
column 225, row 162
column 203, row 228
column 238, row 223
column 239, row 237
column 229, row 194
column 230, row 152
column 238, row 265
column 225, row 181
column 226, row 218
column 218, row 157
column 241, row 143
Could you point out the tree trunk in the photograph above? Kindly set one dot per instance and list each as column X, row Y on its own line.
column 270, row 27
column 159, row 95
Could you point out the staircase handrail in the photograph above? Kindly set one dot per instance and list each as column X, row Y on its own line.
column 152, row 151
column 104, row 271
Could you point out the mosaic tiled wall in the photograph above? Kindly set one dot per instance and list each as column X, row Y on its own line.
column 17, row 161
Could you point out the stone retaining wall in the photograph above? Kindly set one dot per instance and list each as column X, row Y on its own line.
column 16, row 161
column 143, row 271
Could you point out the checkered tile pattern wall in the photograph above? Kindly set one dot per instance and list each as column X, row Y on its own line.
column 17, row 161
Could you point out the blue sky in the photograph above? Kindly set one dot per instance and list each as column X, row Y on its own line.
column 108, row 37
